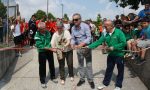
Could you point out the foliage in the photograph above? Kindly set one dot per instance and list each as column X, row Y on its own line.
column 134, row 4
column 99, row 19
column 3, row 10
column 40, row 14
column 66, row 17
column 51, row 16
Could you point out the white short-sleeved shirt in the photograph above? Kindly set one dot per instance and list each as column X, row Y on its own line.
column 17, row 31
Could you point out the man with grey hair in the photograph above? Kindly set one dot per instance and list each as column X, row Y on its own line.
column 81, row 36
column 42, row 39
column 116, row 42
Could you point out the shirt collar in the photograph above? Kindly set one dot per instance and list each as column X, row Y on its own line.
column 78, row 28
column 112, row 32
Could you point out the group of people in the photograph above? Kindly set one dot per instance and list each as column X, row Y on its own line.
column 137, row 33
column 63, row 42
column 62, row 37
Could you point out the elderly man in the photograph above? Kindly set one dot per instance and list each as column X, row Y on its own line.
column 116, row 41
column 42, row 39
column 81, row 36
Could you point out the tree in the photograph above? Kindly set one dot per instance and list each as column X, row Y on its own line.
column 66, row 17
column 40, row 14
column 3, row 10
column 99, row 19
column 134, row 4
column 51, row 16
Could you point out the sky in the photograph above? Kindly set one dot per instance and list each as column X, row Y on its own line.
column 87, row 8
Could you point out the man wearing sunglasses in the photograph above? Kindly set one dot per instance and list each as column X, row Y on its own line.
column 81, row 36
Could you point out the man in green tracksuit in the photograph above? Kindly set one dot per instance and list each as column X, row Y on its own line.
column 116, row 41
column 42, row 39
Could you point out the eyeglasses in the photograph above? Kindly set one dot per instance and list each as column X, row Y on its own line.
column 76, row 19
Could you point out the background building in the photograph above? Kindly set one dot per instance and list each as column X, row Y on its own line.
column 13, row 7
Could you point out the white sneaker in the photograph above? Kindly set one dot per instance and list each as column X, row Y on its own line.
column 62, row 82
column 20, row 54
column 117, row 88
column 72, row 79
column 43, row 85
column 101, row 87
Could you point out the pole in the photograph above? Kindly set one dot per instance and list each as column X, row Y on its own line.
column 47, row 7
column 7, row 39
column 123, row 11
column 62, row 10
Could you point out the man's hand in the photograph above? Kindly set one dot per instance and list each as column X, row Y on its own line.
column 73, row 46
column 110, row 49
column 53, row 50
column 86, row 47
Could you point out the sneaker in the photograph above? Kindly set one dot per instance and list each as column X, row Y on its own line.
column 126, row 55
column 72, row 79
column 62, row 82
column 101, row 87
column 129, row 55
column 17, row 54
column 117, row 88
column 80, row 83
column 20, row 54
column 43, row 85
column 133, row 57
column 54, row 80
column 92, row 85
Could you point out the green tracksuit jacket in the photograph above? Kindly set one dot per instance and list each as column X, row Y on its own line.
column 117, row 40
column 42, row 41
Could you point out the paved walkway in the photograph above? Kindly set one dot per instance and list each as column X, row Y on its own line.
column 24, row 75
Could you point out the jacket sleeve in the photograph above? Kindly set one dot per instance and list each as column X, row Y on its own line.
column 122, row 40
column 97, row 43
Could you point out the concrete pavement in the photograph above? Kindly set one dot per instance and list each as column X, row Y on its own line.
column 27, row 77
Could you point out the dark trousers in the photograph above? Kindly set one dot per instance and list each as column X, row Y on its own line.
column 32, row 42
column 111, row 61
column 43, row 56
column 1, row 34
column 69, row 58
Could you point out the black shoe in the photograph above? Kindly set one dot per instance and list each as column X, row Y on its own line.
column 80, row 83
column 141, row 62
column 92, row 85
column 52, row 77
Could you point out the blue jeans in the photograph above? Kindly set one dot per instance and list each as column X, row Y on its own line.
column 81, row 54
column 111, row 61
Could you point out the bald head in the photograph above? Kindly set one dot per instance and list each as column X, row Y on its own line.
column 108, row 24
column 41, row 25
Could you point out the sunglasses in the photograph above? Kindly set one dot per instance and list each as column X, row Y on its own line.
column 76, row 19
